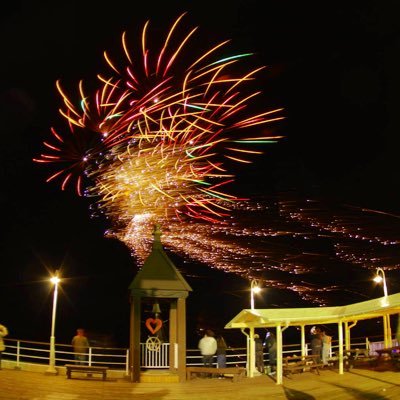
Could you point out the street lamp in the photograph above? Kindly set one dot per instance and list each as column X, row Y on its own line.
column 254, row 288
column 52, row 359
column 381, row 278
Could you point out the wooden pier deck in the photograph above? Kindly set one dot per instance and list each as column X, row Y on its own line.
column 357, row 384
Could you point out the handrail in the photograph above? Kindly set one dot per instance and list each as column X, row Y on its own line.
column 33, row 352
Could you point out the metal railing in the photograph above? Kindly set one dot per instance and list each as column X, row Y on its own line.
column 24, row 351
column 29, row 352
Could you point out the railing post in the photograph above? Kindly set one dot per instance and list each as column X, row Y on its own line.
column 18, row 355
column 90, row 356
column 176, row 355
column 127, row 363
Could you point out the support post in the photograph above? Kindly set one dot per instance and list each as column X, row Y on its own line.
column 251, row 354
column 303, row 341
column 340, row 336
column 181, row 316
column 173, row 360
column 135, row 338
column 279, row 355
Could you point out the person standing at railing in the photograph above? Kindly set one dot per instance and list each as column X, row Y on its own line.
column 326, row 347
column 208, row 348
column 270, row 344
column 3, row 332
column 80, row 344
column 259, row 348
column 221, row 351
column 316, row 343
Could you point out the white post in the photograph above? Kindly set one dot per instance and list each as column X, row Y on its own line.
column 127, row 363
column 251, row 354
column 279, row 355
column 176, row 356
column 340, row 337
column 18, row 354
column 303, row 341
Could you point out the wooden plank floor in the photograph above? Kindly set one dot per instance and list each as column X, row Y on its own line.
column 357, row 384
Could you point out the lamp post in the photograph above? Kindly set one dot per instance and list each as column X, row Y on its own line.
column 52, row 358
column 254, row 288
column 381, row 278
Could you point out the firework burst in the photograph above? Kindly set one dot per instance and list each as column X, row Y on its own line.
column 155, row 141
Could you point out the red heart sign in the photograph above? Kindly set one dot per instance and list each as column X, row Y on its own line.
column 153, row 324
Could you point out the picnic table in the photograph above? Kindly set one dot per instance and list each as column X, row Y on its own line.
column 293, row 364
column 389, row 355
column 358, row 358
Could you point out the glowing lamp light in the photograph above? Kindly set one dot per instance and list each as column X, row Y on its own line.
column 254, row 288
column 55, row 280
column 257, row 289
column 380, row 277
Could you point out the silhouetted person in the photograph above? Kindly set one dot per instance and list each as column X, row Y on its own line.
column 316, row 343
column 270, row 344
column 3, row 332
column 326, row 347
column 80, row 344
column 259, row 349
column 221, row 352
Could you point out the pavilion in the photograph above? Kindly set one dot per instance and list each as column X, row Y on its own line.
column 344, row 316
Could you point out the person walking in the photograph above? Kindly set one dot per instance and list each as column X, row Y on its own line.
column 3, row 332
column 208, row 348
column 259, row 349
column 80, row 344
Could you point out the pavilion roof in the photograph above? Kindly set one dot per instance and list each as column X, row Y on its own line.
column 271, row 317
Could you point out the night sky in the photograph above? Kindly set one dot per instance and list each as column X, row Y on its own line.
column 333, row 67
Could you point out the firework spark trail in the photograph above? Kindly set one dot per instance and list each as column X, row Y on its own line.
column 155, row 140
column 289, row 245
column 362, row 236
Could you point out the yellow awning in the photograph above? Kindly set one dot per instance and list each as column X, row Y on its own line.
column 271, row 317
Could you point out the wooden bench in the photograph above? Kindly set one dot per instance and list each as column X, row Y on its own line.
column 236, row 373
column 86, row 369
column 293, row 364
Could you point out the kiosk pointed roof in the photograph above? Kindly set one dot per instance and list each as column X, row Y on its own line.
column 159, row 277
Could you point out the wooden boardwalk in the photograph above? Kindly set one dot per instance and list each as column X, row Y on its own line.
column 357, row 384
